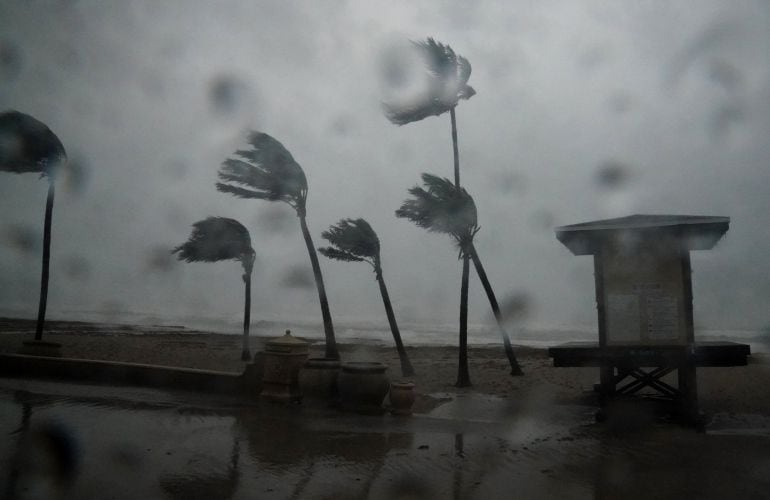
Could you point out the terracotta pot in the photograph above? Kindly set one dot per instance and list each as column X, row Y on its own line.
column 363, row 386
column 402, row 398
column 318, row 379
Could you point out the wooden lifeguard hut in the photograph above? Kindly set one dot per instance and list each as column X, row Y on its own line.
column 644, row 302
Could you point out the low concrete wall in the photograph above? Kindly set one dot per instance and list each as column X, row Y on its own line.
column 135, row 374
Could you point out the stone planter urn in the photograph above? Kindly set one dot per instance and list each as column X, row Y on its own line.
column 318, row 380
column 402, row 397
column 283, row 357
column 362, row 386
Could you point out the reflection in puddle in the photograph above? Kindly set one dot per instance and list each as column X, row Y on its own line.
column 129, row 448
column 207, row 482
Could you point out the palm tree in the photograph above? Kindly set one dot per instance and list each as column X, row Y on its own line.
column 218, row 238
column 354, row 240
column 267, row 171
column 442, row 207
column 28, row 145
column 448, row 75
column 448, row 83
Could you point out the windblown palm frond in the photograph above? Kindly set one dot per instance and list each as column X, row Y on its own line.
column 214, row 239
column 267, row 171
column 448, row 83
column 352, row 240
column 220, row 238
column 336, row 254
column 441, row 207
column 28, row 145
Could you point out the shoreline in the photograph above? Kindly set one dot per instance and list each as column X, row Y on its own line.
column 732, row 390
column 483, row 336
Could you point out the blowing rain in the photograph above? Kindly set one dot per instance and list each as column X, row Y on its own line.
column 382, row 250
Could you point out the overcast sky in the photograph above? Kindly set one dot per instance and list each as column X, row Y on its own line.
column 150, row 97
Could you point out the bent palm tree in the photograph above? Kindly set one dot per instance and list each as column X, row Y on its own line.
column 448, row 83
column 28, row 145
column 267, row 171
column 354, row 240
column 442, row 207
column 512, row 361
column 218, row 238
column 448, row 75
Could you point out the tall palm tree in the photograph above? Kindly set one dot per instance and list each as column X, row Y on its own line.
column 442, row 207
column 448, row 83
column 219, row 238
column 267, row 171
column 448, row 75
column 354, row 240
column 28, row 145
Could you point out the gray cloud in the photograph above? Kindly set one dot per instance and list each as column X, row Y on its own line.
column 150, row 98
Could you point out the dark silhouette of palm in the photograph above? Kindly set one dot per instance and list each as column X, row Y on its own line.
column 449, row 74
column 442, row 207
column 512, row 361
column 28, row 145
column 448, row 83
column 267, row 171
column 218, row 238
column 354, row 240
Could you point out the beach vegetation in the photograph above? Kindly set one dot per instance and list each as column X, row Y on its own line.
column 218, row 238
column 354, row 240
column 447, row 84
column 440, row 206
column 27, row 145
column 267, row 171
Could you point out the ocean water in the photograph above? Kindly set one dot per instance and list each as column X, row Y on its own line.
column 378, row 332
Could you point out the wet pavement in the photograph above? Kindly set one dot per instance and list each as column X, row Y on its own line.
column 82, row 441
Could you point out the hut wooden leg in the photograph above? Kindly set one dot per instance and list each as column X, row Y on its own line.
column 688, row 388
column 607, row 379
column 606, row 384
column 605, row 389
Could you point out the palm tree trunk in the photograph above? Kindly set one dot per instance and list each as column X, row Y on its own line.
column 463, row 376
column 455, row 147
column 515, row 368
column 331, row 343
column 46, row 259
column 406, row 367
column 245, row 351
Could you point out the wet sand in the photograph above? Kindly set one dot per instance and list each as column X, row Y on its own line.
column 529, row 437
column 731, row 390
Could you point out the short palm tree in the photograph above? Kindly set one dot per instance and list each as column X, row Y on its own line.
column 444, row 208
column 28, row 145
column 354, row 240
column 448, row 75
column 219, row 238
column 267, row 171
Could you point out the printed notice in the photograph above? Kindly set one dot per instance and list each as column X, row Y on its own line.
column 623, row 323
column 662, row 317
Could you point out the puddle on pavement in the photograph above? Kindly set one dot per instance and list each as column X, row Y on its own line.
column 141, row 443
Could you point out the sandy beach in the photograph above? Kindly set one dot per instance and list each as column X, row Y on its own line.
column 731, row 390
